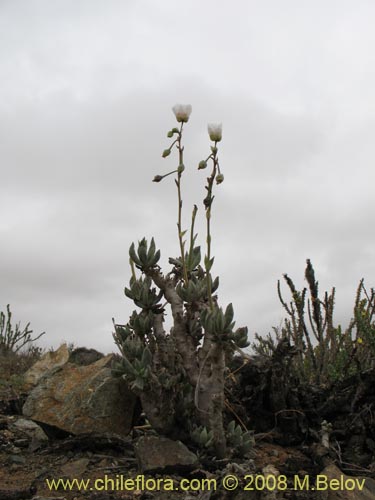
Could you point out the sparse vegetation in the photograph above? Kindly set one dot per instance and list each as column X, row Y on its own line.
column 13, row 365
column 17, row 355
column 12, row 337
column 325, row 353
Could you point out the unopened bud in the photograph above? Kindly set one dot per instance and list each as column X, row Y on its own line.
column 180, row 169
column 202, row 164
column 166, row 153
column 157, row 178
column 219, row 178
column 170, row 134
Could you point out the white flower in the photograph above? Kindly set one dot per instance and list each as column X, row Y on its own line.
column 215, row 131
column 182, row 112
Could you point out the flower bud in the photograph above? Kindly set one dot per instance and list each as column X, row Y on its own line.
column 182, row 112
column 180, row 169
column 166, row 153
column 219, row 178
column 170, row 134
column 215, row 131
column 157, row 178
column 202, row 164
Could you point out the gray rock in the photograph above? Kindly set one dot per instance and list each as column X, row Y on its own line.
column 75, row 468
column 161, row 454
column 46, row 363
column 25, row 425
column 35, row 434
column 17, row 459
column 82, row 399
column 83, row 356
column 350, row 487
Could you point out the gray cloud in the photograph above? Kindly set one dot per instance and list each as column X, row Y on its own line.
column 84, row 110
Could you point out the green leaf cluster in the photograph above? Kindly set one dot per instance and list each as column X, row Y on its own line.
column 217, row 323
column 202, row 438
column 193, row 259
column 240, row 338
column 144, row 295
column 196, row 288
column 240, row 441
column 144, row 258
column 135, row 364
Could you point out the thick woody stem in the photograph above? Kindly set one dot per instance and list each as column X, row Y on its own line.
column 184, row 343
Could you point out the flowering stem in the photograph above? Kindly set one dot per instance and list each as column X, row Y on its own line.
column 208, row 274
column 208, row 203
column 178, row 184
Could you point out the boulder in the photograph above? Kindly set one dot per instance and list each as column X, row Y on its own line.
column 160, row 454
column 81, row 399
column 83, row 356
column 49, row 361
column 343, row 487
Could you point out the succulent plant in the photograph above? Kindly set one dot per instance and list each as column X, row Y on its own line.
column 202, row 438
column 241, row 442
column 179, row 375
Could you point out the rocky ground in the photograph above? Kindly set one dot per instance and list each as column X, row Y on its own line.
column 28, row 460
column 291, row 441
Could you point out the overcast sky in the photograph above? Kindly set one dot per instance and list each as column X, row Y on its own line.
column 86, row 91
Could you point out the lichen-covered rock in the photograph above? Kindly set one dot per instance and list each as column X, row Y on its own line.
column 156, row 453
column 49, row 361
column 81, row 399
